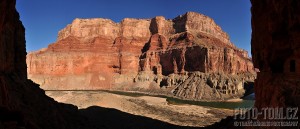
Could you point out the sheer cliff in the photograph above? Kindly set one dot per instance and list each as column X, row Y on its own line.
column 158, row 54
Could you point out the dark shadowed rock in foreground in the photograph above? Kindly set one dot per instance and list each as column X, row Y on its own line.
column 276, row 53
column 23, row 103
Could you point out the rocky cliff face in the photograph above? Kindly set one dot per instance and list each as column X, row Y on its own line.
column 143, row 54
column 276, row 52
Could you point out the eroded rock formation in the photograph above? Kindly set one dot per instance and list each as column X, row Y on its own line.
column 144, row 54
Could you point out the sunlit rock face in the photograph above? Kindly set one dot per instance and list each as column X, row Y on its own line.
column 157, row 54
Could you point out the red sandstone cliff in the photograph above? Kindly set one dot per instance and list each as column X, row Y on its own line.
column 142, row 54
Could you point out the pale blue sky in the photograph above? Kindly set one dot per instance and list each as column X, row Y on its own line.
column 44, row 18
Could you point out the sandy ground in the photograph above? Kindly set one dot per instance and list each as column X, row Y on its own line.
column 234, row 100
column 152, row 107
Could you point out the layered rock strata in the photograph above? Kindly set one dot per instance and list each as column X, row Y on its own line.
column 175, row 56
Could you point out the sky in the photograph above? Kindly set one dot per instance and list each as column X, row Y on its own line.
column 44, row 18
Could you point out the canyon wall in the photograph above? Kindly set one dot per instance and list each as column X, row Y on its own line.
column 144, row 55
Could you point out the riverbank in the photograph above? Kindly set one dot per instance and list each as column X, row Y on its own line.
column 155, row 93
column 149, row 106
